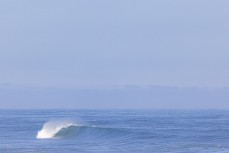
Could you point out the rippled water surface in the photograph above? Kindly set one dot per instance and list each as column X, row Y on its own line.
column 85, row 131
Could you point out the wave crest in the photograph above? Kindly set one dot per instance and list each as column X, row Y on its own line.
column 55, row 129
column 63, row 129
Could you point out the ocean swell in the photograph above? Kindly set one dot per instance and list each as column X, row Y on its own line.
column 63, row 129
column 53, row 129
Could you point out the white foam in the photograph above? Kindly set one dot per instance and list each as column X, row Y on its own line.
column 51, row 128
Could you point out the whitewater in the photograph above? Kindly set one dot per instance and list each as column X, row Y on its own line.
column 71, row 129
column 52, row 128
column 123, row 131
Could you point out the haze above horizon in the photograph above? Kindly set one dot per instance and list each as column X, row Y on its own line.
column 87, row 44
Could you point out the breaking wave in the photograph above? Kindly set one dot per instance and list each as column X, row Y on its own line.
column 63, row 129
column 55, row 128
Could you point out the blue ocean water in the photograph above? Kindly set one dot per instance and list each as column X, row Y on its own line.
column 112, row 131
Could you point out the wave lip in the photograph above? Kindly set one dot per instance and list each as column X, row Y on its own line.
column 52, row 128
column 67, row 129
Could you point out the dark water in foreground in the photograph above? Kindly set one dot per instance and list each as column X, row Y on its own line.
column 123, row 131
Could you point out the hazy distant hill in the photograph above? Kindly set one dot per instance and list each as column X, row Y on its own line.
column 128, row 97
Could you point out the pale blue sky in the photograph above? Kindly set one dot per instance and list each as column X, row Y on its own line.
column 114, row 54
column 104, row 43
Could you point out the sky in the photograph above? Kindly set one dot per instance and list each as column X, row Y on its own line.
column 109, row 44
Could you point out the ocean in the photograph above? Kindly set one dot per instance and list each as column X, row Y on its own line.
column 114, row 131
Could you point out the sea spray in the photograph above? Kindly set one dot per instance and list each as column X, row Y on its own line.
column 72, row 129
column 51, row 128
